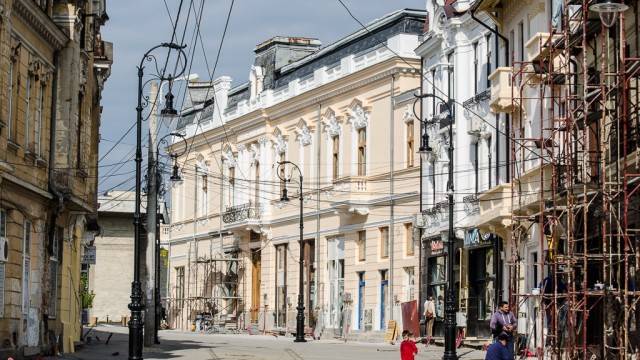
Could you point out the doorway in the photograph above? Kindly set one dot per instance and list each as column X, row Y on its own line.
column 361, row 288
column 384, row 293
column 309, row 251
column 256, row 281
column 335, row 264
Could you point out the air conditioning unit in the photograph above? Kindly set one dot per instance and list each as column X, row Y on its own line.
column 4, row 249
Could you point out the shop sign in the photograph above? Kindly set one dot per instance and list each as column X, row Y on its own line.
column 473, row 237
column 89, row 255
column 437, row 246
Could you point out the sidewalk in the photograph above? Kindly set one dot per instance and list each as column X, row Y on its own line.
column 186, row 345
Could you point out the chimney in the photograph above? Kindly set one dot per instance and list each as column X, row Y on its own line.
column 273, row 54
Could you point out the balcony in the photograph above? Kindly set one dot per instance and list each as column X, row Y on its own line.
column 540, row 53
column 503, row 94
column 244, row 216
column 435, row 217
column 495, row 209
column 530, row 188
column 538, row 47
column 471, row 205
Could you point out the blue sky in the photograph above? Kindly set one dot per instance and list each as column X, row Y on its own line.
column 137, row 25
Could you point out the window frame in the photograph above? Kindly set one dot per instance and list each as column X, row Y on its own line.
column 362, row 245
column 335, row 160
column 410, row 245
column 384, row 242
column 362, row 151
column 26, row 265
column 410, row 129
column 39, row 113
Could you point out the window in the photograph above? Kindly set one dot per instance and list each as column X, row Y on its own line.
column 283, row 185
column 521, row 41
column 37, row 129
column 3, row 233
column 27, row 114
column 450, row 78
column 26, row 265
column 13, row 96
column 362, row 245
column 256, row 195
column 203, row 198
column 408, row 239
column 512, row 40
column 336, row 157
column 433, row 91
column 180, row 284
column 384, row 242
column 281, row 285
column 488, row 51
column 362, row 152
column 54, row 260
column 79, row 163
column 232, row 186
column 475, row 67
column 409, row 283
column 410, row 144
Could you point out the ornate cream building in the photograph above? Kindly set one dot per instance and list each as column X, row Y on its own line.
column 343, row 114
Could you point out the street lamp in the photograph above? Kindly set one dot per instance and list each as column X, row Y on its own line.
column 450, row 300
column 285, row 198
column 136, row 306
column 175, row 178
column 608, row 10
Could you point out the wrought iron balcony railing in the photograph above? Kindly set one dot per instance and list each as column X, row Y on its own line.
column 471, row 204
column 247, row 211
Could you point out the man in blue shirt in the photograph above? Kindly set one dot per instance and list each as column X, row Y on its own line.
column 498, row 350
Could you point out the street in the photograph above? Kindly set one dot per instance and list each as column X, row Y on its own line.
column 180, row 345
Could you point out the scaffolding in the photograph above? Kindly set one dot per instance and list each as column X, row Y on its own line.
column 214, row 298
column 575, row 192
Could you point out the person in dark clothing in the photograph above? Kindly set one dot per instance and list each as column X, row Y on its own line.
column 498, row 350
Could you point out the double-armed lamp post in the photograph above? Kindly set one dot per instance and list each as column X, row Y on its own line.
column 450, row 298
column 136, row 323
column 285, row 198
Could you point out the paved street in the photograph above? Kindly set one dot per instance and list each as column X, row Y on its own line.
column 179, row 345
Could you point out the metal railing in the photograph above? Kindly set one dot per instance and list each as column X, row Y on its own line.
column 247, row 211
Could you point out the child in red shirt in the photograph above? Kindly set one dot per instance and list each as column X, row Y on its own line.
column 408, row 348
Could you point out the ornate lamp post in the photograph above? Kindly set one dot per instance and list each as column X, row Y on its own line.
column 136, row 306
column 175, row 178
column 285, row 198
column 450, row 300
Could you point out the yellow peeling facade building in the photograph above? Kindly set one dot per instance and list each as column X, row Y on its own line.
column 53, row 65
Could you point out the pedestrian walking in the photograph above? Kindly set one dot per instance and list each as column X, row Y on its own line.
column 429, row 316
column 408, row 348
column 498, row 350
column 504, row 322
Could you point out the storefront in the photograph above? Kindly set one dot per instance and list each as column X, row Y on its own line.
column 434, row 279
column 480, row 281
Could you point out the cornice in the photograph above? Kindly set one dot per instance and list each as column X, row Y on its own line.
column 33, row 16
column 295, row 104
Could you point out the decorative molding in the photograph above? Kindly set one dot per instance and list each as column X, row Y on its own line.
column 31, row 14
column 358, row 117
column 254, row 153
column 331, row 123
column 229, row 158
column 408, row 114
column 303, row 133
column 280, row 143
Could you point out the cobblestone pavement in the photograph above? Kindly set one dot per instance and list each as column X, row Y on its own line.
column 181, row 345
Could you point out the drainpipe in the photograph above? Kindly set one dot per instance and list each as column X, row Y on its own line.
column 391, row 191
column 318, row 297
column 52, row 135
column 495, row 31
column 420, row 294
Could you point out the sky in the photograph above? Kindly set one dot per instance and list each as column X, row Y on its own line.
column 135, row 26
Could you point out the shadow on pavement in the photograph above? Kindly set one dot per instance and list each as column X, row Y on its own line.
column 97, row 348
